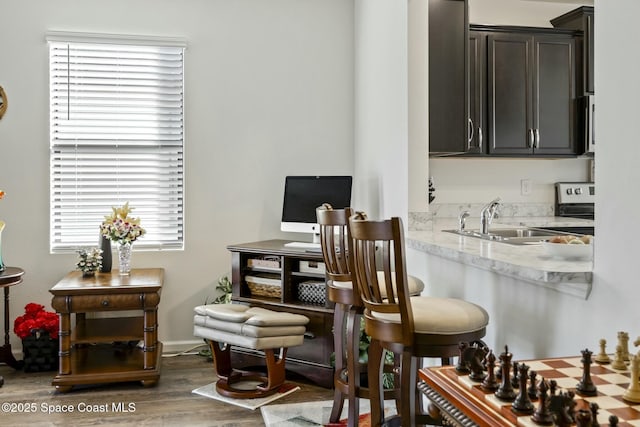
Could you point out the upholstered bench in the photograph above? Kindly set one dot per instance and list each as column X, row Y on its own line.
column 226, row 325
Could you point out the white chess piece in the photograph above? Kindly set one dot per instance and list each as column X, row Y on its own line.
column 603, row 357
column 618, row 360
column 623, row 340
column 632, row 394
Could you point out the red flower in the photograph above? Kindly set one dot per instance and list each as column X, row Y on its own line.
column 36, row 317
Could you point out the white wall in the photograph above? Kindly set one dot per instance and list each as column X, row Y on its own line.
column 269, row 93
column 381, row 104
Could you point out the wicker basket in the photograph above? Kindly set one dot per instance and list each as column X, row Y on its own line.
column 262, row 290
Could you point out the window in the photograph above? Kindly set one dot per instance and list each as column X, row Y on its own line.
column 116, row 136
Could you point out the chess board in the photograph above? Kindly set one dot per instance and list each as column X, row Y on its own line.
column 486, row 410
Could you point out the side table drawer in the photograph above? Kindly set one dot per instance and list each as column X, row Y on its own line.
column 82, row 303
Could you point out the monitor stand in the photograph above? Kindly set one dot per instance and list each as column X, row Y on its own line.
column 308, row 246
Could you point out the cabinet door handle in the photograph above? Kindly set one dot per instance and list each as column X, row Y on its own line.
column 309, row 335
column 105, row 303
column 536, row 143
column 470, row 133
column 480, row 138
column 531, row 138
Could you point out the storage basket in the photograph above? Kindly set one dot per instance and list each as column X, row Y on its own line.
column 312, row 292
column 264, row 286
column 40, row 352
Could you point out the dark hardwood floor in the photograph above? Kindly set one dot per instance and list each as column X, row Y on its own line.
column 169, row 403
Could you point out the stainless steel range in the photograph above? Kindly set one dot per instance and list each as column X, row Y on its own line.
column 576, row 200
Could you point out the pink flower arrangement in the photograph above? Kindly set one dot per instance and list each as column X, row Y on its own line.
column 35, row 317
column 120, row 227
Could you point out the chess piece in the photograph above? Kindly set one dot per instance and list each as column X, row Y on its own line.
column 613, row 421
column 490, row 383
column 474, row 361
column 583, row 418
column 632, row 394
column 585, row 386
column 533, row 385
column 553, row 386
column 603, row 357
column 522, row 403
column 1, row 381
column 593, row 407
column 505, row 390
column 623, row 341
column 542, row 415
column 562, row 407
column 462, row 366
column 515, row 381
column 618, row 360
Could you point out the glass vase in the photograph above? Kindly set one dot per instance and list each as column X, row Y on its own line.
column 124, row 258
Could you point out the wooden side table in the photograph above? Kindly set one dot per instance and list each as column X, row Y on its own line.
column 10, row 276
column 114, row 349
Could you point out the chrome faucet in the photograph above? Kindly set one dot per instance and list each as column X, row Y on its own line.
column 487, row 214
column 462, row 218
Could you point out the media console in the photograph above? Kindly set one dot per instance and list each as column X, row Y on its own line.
column 277, row 277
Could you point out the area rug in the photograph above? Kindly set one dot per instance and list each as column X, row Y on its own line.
column 210, row 391
column 312, row 414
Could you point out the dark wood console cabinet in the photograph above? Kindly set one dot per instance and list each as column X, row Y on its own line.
column 281, row 270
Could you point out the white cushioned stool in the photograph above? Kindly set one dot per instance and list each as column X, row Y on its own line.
column 226, row 325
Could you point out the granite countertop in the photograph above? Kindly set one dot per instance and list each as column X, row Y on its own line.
column 525, row 262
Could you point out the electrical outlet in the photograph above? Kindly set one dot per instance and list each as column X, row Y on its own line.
column 525, row 187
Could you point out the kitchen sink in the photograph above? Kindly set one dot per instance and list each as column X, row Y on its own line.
column 514, row 236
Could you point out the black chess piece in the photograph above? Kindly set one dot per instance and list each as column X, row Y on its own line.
column 613, row 421
column 563, row 408
column 533, row 385
column 475, row 364
column 522, row 403
column 553, row 386
column 515, row 381
column 585, row 386
column 593, row 407
column 490, row 383
column 505, row 391
column 542, row 415
column 583, row 418
column 462, row 366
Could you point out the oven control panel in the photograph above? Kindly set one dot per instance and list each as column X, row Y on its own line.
column 575, row 192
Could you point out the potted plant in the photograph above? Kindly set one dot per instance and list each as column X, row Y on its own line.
column 89, row 261
column 38, row 330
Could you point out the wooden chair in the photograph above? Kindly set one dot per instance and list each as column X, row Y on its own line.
column 410, row 327
column 348, row 309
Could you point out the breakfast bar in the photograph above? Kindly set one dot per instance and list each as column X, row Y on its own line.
column 529, row 263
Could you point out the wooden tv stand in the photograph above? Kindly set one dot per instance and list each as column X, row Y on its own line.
column 285, row 268
column 114, row 349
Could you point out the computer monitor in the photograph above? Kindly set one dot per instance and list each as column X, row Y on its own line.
column 303, row 194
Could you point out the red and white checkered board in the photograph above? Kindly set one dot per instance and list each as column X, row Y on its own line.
column 567, row 372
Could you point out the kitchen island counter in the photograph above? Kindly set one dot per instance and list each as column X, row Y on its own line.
column 529, row 263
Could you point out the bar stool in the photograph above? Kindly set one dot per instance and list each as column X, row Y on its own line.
column 334, row 239
column 412, row 327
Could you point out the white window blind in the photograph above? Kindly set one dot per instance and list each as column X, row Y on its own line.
column 116, row 126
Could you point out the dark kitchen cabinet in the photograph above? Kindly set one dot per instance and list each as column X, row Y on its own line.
column 531, row 93
column 448, row 117
column 581, row 19
column 477, row 96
